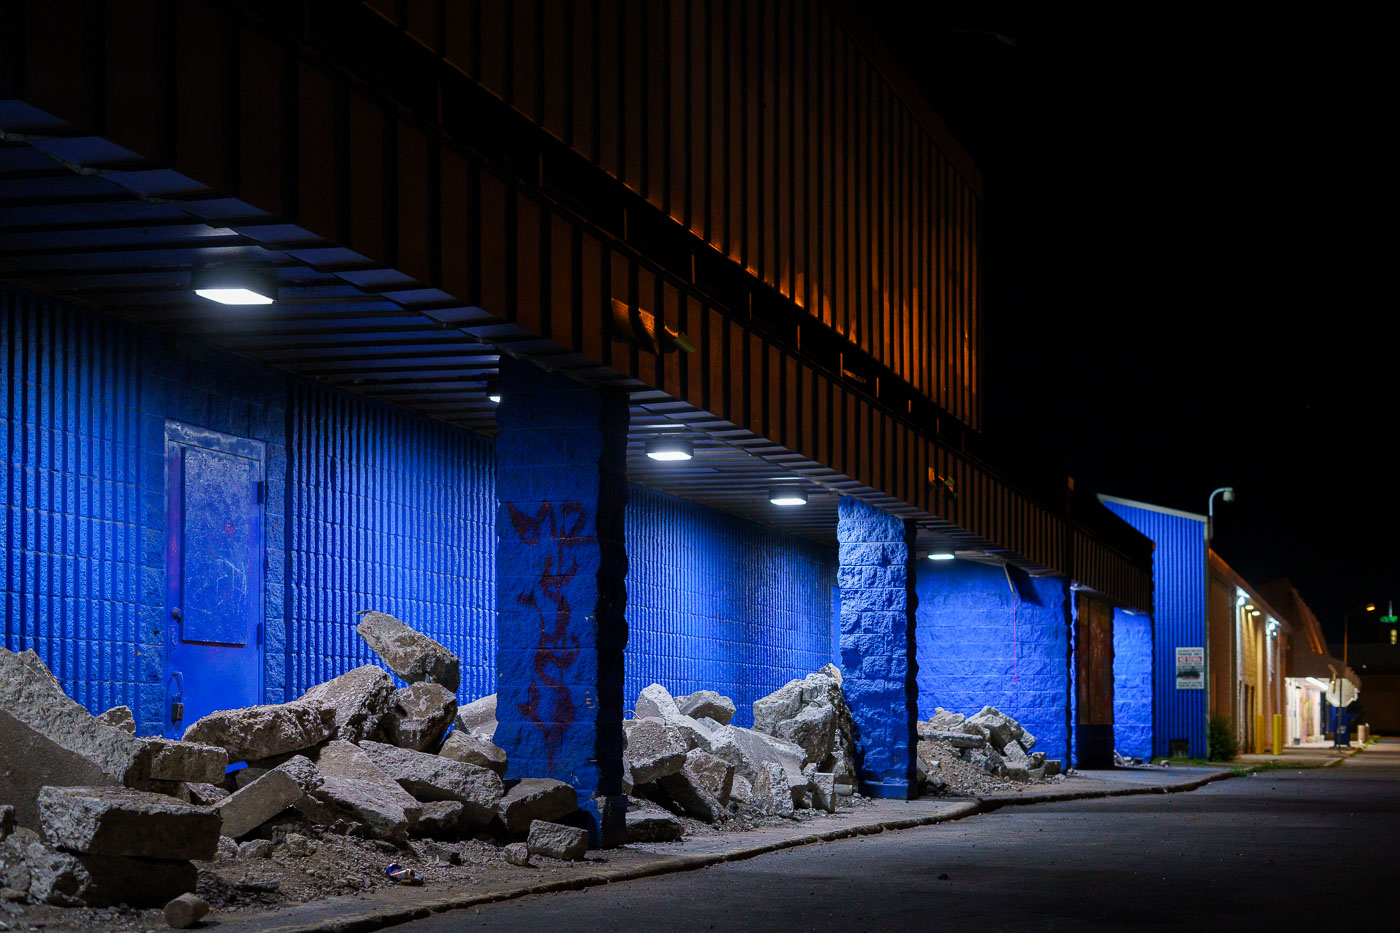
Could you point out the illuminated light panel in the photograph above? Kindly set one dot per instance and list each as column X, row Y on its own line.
column 233, row 296
column 670, row 448
column 787, row 495
column 942, row 555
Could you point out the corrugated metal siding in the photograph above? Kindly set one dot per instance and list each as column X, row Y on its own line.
column 392, row 512
column 716, row 602
column 1179, row 590
column 71, row 499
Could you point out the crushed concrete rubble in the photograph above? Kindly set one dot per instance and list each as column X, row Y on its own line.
column 970, row 755
column 123, row 831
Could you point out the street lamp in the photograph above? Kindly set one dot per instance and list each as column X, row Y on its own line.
column 1346, row 625
column 1228, row 494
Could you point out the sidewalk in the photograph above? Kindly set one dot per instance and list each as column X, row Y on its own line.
column 1312, row 755
column 387, row 907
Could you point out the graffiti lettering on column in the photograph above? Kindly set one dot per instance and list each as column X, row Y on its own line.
column 550, row 705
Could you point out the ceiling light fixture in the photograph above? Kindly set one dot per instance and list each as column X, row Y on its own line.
column 235, row 285
column 787, row 495
column 670, row 447
column 493, row 390
column 942, row 555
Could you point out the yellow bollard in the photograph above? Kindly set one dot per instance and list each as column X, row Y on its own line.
column 1278, row 733
column 1261, row 744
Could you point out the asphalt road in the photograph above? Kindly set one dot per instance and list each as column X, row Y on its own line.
column 1313, row 848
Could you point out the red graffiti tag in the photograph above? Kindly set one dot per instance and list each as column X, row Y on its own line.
column 550, row 706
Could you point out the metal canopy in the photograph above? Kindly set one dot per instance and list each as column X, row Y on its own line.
column 90, row 222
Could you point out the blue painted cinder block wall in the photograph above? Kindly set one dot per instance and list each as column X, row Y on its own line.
column 1179, row 604
column 388, row 511
column 85, row 401
column 717, row 602
column 1132, row 684
column 980, row 644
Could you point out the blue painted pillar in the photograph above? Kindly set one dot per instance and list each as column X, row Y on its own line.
column 561, row 490
column 877, row 644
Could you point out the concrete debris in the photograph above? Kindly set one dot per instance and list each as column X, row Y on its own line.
column 256, row 732
column 707, row 704
column 555, row 841
column 979, row 754
column 259, row 801
column 713, row 774
column 534, row 800
column 227, row 848
column 419, row 716
column 654, row 749
column 298, row 846
column 433, row 777
column 120, row 821
column 440, row 819
column 517, row 853
column 119, row 717
column 186, row 761
column 472, row 749
column 945, row 721
column 49, row 740
column 693, row 788
column 652, row 826
column 185, row 911
column 67, row 880
column 255, row 848
column 654, row 702
column 412, row 655
column 204, row 795
column 824, row 791
column 771, row 790
column 479, row 717
column 1000, row 728
column 812, row 714
column 359, row 698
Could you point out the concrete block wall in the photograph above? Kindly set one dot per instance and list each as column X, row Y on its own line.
column 388, row 511
column 84, row 406
column 717, row 602
column 1132, row 684
column 987, row 641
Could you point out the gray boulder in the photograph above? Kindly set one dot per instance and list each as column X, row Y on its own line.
column 1027, row 740
column 67, row 880
column 254, row 732
column 707, row 704
column 756, row 749
column 49, row 740
column 555, row 841
column 771, row 790
column 412, row 655
column 440, row 819
column 359, row 699
column 119, row 717
column 259, row 801
column 479, row 717
column 712, row 773
column 471, row 749
column 185, row 911
column 419, row 716
column 517, row 853
column 656, row 702
column 186, row 761
column 652, row 826
column 813, row 730
column 357, row 790
column 813, row 714
column 119, row 821
column 824, row 791
column 654, row 750
column 535, row 799
column 433, row 777
column 694, row 787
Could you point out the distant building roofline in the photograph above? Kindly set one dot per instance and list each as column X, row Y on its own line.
column 1151, row 508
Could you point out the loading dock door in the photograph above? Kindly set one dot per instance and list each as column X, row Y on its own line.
column 214, row 574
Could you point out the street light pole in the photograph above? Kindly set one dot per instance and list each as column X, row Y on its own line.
column 1346, row 626
column 1228, row 494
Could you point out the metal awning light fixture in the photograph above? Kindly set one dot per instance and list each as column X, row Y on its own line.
column 234, row 285
column 942, row 555
column 787, row 495
column 670, row 447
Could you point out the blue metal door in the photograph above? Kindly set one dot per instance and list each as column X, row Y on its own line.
column 214, row 573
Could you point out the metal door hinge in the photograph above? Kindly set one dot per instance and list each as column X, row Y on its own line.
column 262, row 491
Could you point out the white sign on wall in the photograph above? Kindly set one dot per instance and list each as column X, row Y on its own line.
column 1190, row 668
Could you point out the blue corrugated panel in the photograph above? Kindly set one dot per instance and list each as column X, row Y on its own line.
column 983, row 644
column 716, row 602
column 392, row 512
column 1132, row 684
column 1179, row 597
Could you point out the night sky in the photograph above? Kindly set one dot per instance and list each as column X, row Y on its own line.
column 1185, row 241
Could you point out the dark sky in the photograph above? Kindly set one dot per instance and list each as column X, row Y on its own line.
column 1186, row 256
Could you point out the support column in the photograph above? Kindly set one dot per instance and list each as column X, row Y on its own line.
column 561, row 566
column 878, row 666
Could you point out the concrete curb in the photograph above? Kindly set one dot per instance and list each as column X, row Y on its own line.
column 366, row 921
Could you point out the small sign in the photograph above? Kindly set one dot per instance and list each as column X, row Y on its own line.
column 1190, row 668
column 1388, row 620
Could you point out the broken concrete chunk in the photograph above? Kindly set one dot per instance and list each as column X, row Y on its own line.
column 257, row 802
column 957, row 739
column 227, row 848
column 1000, row 728
column 359, row 698
column 1014, row 754
column 379, row 808
column 555, row 841
column 433, row 777
column 690, row 788
column 205, row 795
column 1026, row 739
column 714, row 774
column 418, row 716
column 824, row 791
column 708, row 704
column 656, row 702
column 812, row 713
column 479, row 717
column 755, row 749
column 119, row 717
column 771, row 789
column 412, row 655
column 517, row 853
column 186, row 761
column 185, row 911
column 653, row 826
column 255, row 732
column 654, row 750
column 119, row 821
column 535, row 799
column 741, row 792
column 471, row 749
column 255, row 848
column 945, row 721
column 1052, row 767
column 66, row 880
column 440, row 819
column 813, row 730
column 49, row 740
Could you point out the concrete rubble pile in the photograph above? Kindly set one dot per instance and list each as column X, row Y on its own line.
column 92, row 815
column 953, row 748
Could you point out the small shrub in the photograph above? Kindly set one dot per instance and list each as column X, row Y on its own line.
column 1220, row 739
